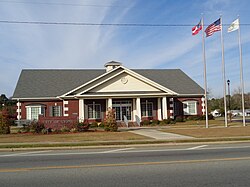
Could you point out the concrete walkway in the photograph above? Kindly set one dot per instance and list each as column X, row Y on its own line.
column 159, row 135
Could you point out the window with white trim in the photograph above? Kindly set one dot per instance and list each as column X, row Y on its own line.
column 55, row 111
column 190, row 107
column 147, row 109
column 33, row 112
column 94, row 111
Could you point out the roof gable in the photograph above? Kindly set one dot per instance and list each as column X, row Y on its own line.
column 102, row 81
column 124, row 82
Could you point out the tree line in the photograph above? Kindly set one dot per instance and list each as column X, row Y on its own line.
column 234, row 102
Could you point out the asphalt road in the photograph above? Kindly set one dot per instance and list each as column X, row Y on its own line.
column 175, row 165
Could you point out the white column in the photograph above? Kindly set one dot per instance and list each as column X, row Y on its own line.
column 134, row 110
column 138, row 107
column 159, row 109
column 109, row 103
column 81, row 109
column 164, row 108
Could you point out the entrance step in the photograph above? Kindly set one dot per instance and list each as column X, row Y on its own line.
column 130, row 124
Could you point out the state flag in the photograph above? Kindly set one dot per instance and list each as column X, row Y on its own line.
column 234, row 26
column 196, row 29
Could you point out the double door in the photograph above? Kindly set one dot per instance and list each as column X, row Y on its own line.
column 122, row 108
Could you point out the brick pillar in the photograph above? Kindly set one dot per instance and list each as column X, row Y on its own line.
column 203, row 106
column 171, row 107
column 18, row 110
column 65, row 108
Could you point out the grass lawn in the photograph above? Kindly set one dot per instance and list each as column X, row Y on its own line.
column 211, row 132
column 69, row 137
column 190, row 128
column 218, row 122
column 216, row 128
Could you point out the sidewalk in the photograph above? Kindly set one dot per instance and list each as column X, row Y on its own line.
column 158, row 135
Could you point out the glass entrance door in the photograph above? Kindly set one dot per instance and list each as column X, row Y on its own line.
column 122, row 108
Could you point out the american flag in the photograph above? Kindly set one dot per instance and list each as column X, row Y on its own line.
column 214, row 27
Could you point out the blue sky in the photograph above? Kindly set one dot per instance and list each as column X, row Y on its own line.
column 27, row 46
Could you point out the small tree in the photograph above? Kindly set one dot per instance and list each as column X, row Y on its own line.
column 110, row 121
column 4, row 122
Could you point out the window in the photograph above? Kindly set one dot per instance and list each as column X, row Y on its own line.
column 33, row 112
column 147, row 109
column 190, row 107
column 94, row 111
column 55, row 111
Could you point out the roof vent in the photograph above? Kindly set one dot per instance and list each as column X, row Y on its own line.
column 111, row 65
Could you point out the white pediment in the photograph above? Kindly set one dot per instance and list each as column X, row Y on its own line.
column 124, row 83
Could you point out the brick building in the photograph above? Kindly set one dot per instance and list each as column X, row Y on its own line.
column 134, row 94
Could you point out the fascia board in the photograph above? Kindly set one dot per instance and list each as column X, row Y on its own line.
column 122, row 95
column 183, row 95
column 36, row 98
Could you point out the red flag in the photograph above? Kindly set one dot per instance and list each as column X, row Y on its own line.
column 196, row 29
column 214, row 27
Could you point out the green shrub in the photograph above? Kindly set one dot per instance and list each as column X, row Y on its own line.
column 73, row 130
column 65, row 129
column 94, row 124
column 145, row 122
column 82, row 126
column 45, row 131
column 166, row 121
column 155, row 122
column 110, row 121
column 194, row 118
column 172, row 121
column 101, row 125
column 36, row 126
column 162, row 123
column 56, row 130
column 179, row 119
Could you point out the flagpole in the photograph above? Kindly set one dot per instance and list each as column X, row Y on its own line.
column 241, row 77
column 205, row 71
column 223, row 72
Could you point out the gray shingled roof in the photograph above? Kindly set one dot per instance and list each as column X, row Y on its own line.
column 173, row 79
column 52, row 83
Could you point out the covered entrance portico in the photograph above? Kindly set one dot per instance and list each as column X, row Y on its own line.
column 132, row 96
column 133, row 109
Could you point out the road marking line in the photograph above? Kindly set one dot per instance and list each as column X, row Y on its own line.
column 117, row 150
column 196, row 147
column 128, row 151
column 9, row 170
column 26, row 153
